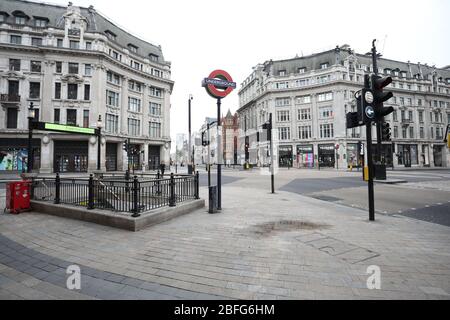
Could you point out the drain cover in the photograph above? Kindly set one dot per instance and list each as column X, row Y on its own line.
column 325, row 198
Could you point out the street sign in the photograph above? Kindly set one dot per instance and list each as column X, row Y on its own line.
column 63, row 128
column 219, row 84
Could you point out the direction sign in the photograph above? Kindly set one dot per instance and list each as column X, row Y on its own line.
column 219, row 84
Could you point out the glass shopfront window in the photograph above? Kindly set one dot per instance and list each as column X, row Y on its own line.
column 352, row 154
column 326, row 155
column 305, row 156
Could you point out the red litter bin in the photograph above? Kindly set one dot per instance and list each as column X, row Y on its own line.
column 18, row 196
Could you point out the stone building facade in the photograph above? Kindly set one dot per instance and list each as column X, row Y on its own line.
column 309, row 97
column 76, row 66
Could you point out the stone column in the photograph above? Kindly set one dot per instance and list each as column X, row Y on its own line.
column 47, row 154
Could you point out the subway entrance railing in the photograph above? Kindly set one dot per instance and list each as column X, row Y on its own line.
column 124, row 194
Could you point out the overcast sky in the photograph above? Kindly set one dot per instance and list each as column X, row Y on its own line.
column 199, row 36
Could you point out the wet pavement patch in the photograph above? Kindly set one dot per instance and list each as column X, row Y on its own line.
column 268, row 228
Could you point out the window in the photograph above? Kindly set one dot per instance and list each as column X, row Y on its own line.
column 56, row 116
column 395, row 132
column 409, row 101
column 58, row 67
column 304, row 132
column 87, row 92
column 11, row 121
column 2, row 17
column 134, row 104
column 57, row 90
column 112, row 98
column 284, row 133
column 134, row 127
column 72, row 91
column 283, row 116
column 36, row 41
column 87, row 70
column 402, row 101
column 132, row 48
column 155, row 130
column 59, row 43
column 88, row 45
column 113, row 78
column 326, row 130
column 153, row 57
column 301, row 82
column 40, row 23
column 112, row 123
column 420, row 116
column 324, row 65
column 304, row 114
column 419, row 102
column 73, row 67
column 411, row 132
column 432, row 132
column 20, row 20
column 282, row 85
column 302, row 70
column 156, row 73
column 133, row 85
column 280, row 102
column 155, row 109
column 110, row 35
column 325, row 96
column 155, row 92
column 85, row 118
column 404, row 132
column 282, row 72
column 15, row 39
column 14, row 64
column 71, row 118
column 35, row 66
column 422, row 133
column 326, row 112
column 410, row 115
column 394, row 115
column 35, row 90
column 74, row 44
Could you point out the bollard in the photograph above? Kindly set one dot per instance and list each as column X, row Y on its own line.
column 91, row 192
column 172, row 200
column 57, row 189
column 212, row 190
column 136, row 190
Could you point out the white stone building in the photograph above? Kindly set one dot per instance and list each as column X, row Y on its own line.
column 76, row 65
column 309, row 97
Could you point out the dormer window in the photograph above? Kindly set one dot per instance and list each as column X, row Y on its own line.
column 282, row 72
column 132, row 48
column 302, row 70
column 111, row 35
column 403, row 73
column 153, row 57
column 20, row 17
column 387, row 71
column 2, row 17
column 20, row 20
column 324, row 65
column 40, row 22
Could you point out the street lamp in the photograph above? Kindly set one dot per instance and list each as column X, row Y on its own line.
column 189, row 120
column 99, row 133
column 31, row 116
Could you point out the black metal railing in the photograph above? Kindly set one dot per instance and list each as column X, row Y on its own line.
column 120, row 195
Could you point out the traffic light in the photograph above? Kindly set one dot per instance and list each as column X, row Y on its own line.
column 378, row 83
column 352, row 120
column 268, row 126
column 125, row 146
column 204, row 139
column 385, row 132
column 246, row 148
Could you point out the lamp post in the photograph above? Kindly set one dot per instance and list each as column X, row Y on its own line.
column 189, row 124
column 99, row 142
column 31, row 115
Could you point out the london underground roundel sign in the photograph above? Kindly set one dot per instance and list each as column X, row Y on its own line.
column 219, row 84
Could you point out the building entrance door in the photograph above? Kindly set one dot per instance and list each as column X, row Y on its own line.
column 285, row 156
column 153, row 157
column 71, row 156
column 437, row 153
column 326, row 155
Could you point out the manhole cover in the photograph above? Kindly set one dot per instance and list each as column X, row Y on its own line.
column 325, row 198
column 266, row 228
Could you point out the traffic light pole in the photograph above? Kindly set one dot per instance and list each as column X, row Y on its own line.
column 370, row 167
column 272, row 171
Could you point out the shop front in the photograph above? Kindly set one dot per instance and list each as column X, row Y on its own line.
column 437, row 155
column 305, row 156
column 326, row 155
column 14, row 154
column 70, row 156
column 111, row 156
column 407, row 154
column 285, row 156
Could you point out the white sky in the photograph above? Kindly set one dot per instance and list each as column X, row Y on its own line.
column 199, row 36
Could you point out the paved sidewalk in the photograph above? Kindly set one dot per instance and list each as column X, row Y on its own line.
column 261, row 246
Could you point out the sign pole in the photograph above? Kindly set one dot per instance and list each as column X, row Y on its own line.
column 272, row 169
column 219, row 165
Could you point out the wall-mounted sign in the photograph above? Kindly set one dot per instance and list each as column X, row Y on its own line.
column 219, row 84
column 63, row 128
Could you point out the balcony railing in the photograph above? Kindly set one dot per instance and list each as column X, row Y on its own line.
column 9, row 98
column 406, row 122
